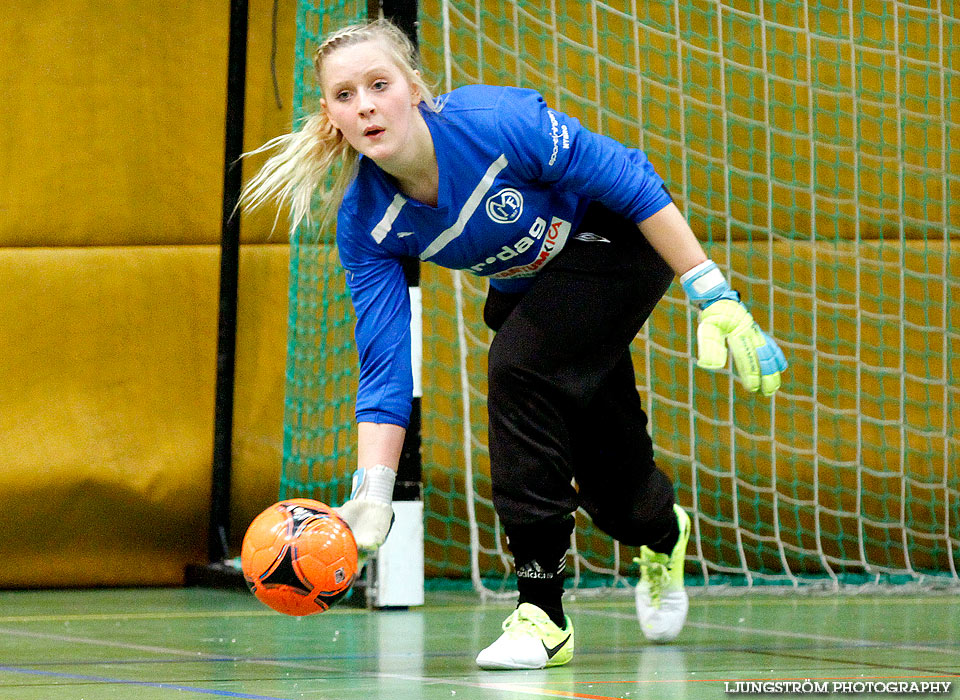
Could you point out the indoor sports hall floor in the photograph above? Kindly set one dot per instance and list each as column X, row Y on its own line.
column 201, row 643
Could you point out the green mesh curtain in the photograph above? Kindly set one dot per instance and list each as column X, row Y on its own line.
column 815, row 149
column 319, row 435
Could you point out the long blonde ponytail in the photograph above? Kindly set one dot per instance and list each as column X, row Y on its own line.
column 300, row 167
column 305, row 158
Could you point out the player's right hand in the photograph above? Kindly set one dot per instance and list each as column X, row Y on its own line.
column 725, row 321
column 369, row 512
column 757, row 358
column 370, row 522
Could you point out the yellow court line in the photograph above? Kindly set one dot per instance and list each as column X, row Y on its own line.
column 133, row 616
column 695, row 601
column 161, row 615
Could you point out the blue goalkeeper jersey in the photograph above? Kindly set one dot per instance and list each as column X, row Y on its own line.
column 515, row 180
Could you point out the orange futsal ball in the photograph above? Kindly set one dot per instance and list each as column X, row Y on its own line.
column 299, row 557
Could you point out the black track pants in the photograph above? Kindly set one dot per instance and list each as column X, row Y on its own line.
column 562, row 398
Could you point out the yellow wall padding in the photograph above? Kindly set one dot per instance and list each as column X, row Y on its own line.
column 113, row 119
column 259, row 383
column 106, row 408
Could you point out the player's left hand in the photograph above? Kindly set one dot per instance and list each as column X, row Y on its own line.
column 725, row 321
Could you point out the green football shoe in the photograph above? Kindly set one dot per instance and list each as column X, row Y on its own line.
column 662, row 602
column 530, row 640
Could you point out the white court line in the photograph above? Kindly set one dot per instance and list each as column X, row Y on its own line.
column 106, row 643
column 791, row 635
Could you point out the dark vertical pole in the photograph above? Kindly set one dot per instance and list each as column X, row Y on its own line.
column 403, row 13
column 219, row 535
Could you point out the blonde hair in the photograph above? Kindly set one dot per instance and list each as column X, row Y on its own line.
column 305, row 157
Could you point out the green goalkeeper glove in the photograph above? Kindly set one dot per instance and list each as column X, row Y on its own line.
column 724, row 320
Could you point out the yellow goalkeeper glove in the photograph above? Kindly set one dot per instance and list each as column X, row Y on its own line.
column 725, row 321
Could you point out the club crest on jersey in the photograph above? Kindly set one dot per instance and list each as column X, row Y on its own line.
column 506, row 206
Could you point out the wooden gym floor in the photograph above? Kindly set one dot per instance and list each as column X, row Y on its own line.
column 159, row 644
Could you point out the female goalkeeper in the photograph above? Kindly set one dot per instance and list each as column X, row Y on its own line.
column 493, row 181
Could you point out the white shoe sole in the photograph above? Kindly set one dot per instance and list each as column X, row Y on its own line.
column 665, row 623
column 498, row 657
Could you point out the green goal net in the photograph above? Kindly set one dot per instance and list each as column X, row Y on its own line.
column 815, row 149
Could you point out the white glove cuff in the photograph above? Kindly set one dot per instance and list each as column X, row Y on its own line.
column 695, row 271
column 705, row 284
column 705, row 281
column 374, row 484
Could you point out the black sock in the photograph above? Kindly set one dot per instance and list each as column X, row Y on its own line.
column 556, row 614
column 543, row 590
column 539, row 552
column 666, row 543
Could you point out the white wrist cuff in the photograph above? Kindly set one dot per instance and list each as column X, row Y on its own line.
column 705, row 283
column 374, row 484
column 694, row 271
